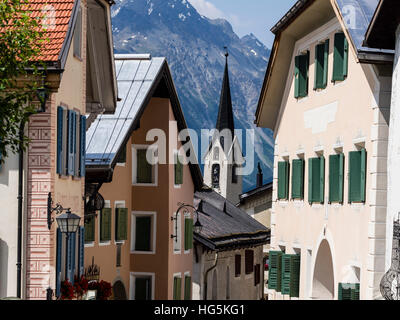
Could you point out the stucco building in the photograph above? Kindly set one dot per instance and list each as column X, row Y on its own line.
column 137, row 240
column 329, row 110
column 79, row 79
column 384, row 33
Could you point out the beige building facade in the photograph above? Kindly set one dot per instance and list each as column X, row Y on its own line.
column 329, row 200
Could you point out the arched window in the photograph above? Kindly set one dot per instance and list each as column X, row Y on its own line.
column 215, row 175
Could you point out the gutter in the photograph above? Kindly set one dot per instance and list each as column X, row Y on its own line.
column 206, row 275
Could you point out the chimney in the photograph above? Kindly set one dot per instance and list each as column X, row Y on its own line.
column 259, row 176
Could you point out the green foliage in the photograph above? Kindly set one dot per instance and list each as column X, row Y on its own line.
column 21, row 37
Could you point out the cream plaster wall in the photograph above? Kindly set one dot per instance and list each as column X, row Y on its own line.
column 350, row 116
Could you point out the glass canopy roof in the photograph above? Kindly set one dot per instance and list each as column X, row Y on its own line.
column 136, row 75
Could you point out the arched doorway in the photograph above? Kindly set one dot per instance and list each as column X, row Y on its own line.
column 119, row 291
column 214, row 294
column 323, row 280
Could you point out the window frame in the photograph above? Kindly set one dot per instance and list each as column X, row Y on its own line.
column 135, row 148
column 153, row 235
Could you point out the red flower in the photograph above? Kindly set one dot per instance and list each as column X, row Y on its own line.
column 67, row 290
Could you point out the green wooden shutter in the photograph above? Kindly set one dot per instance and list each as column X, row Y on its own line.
column 315, row 170
column 90, row 229
column 321, row 65
column 326, row 59
column 298, row 179
column 303, row 74
column 285, row 282
column 310, row 180
column 296, row 76
column 340, row 57
column 188, row 286
column 355, row 292
column 105, row 224
column 188, row 234
column 178, row 171
column 144, row 169
column 345, row 291
column 121, row 224
column 363, row 174
column 295, row 275
column 283, row 180
column 177, row 288
column 274, row 272
column 357, row 175
column 336, row 178
column 322, row 179
column 143, row 234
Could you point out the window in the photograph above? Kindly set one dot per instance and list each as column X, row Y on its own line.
column 336, row 170
column 178, row 170
column 188, row 287
column 143, row 239
column 257, row 274
column 238, row 265
column 234, row 173
column 249, row 261
column 105, row 225
column 121, row 224
column 71, row 143
column 78, row 35
column 119, row 247
column 340, row 57
column 275, row 270
column 122, row 156
column 143, row 287
column 177, row 288
column 298, row 179
column 216, row 154
column 357, row 175
column 349, row 291
column 215, row 175
column 144, row 173
column 301, row 75
column 283, row 180
column 321, row 65
column 290, row 274
column 316, row 180
column 178, row 229
column 90, row 229
column 188, row 233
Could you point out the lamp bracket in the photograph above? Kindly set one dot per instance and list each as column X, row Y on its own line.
column 50, row 209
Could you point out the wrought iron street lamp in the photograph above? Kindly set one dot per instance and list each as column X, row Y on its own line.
column 68, row 222
column 197, row 227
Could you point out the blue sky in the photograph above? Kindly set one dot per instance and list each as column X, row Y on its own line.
column 246, row 16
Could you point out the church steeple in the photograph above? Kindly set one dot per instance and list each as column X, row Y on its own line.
column 225, row 113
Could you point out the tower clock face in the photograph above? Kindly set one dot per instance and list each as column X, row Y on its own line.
column 215, row 175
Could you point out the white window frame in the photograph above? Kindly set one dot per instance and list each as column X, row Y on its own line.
column 118, row 204
column 136, row 147
column 107, row 205
column 132, row 278
column 178, row 221
column 153, row 214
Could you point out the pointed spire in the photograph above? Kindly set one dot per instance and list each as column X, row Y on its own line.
column 225, row 114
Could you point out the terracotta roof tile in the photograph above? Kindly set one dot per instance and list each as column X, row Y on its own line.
column 57, row 31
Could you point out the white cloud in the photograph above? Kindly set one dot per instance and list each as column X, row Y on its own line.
column 207, row 9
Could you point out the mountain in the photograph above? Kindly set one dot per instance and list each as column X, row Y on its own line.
column 193, row 45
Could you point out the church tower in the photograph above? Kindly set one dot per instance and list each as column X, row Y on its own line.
column 224, row 157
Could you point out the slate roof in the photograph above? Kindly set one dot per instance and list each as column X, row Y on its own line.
column 255, row 192
column 225, row 226
column 138, row 77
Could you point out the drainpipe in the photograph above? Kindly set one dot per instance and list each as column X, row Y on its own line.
column 206, row 275
column 20, row 203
